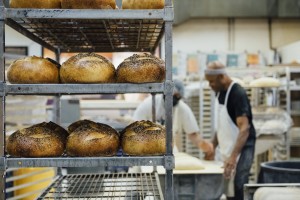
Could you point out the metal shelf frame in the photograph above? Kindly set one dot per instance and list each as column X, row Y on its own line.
column 42, row 89
column 166, row 161
column 117, row 31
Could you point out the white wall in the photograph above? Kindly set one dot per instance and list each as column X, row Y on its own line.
column 285, row 32
column 13, row 38
column 201, row 35
column 251, row 35
column 213, row 34
column 290, row 53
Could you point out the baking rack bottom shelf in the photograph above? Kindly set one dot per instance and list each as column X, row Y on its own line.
column 105, row 186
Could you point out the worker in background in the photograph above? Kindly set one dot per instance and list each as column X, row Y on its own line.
column 183, row 119
column 235, row 133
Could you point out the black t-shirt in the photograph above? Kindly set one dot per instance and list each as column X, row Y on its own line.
column 238, row 105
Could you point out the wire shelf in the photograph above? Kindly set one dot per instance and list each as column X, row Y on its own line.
column 97, row 35
column 105, row 186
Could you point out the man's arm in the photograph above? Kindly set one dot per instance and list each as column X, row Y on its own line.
column 143, row 111
column 215, row 141
column 204, row 145
column 230, row 163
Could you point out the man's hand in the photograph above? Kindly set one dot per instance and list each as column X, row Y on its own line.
column 205, row 146
column 208, row 149
column 209, row 156
column 230, row 163
column 229, row 167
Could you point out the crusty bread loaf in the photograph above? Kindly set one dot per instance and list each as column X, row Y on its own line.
column 88, row 4
column 143, row 4
column 72, row 127
column 33, row 70
column 87, row 68
column 35, row 4
column 41, row 140
column 141, row 68
column 90, row 139
column 144, row 138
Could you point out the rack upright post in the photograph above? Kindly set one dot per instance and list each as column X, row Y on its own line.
column 169, row 190
column 2, row 100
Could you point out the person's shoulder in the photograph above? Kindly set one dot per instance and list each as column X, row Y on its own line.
column 238, row 90
column 148, row 100
column 182, row 106
column 157, row 97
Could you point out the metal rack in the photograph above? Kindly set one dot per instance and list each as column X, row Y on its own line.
column 105, row 186
column 290, row 90
column 34, row 89
column 250, row 189
column 89, row 161
column 64, row 30
column 93, row 34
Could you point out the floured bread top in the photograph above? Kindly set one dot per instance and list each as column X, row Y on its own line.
column 87, row 57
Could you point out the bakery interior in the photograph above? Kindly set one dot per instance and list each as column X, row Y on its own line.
column 258, row 41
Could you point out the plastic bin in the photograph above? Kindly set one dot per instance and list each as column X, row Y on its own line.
column 40, row 178
column 280, row 172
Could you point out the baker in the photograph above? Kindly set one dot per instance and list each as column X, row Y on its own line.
column 183, row 119
column 235, row 133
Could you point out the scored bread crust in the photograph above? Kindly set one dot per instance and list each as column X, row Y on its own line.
column 33, row 70
column 143, row 4
column 143, row 138
column 35, row 4
column 88, row 4
column 87, row 68
column 89, row 139
column 72, row 127
column 40, row 140
column 141, row 68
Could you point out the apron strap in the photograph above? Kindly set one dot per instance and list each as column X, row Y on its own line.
column 228, row 92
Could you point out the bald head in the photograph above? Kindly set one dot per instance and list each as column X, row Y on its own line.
column 216, row 75
column 215, row 65
column 215, row 68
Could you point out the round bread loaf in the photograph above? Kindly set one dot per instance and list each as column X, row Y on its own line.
column 265, row 82
column 143, row 138
column 143, row 4
column 141, row 68
column 88, row 4
column 33, row 70
column 87, row 68
column 41, row 140
column 35, row 4
column 89, row 139
column 72, row 127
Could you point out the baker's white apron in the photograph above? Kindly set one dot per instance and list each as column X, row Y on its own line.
column 227, row 134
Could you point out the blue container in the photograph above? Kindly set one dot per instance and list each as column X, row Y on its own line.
column 280, row 172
